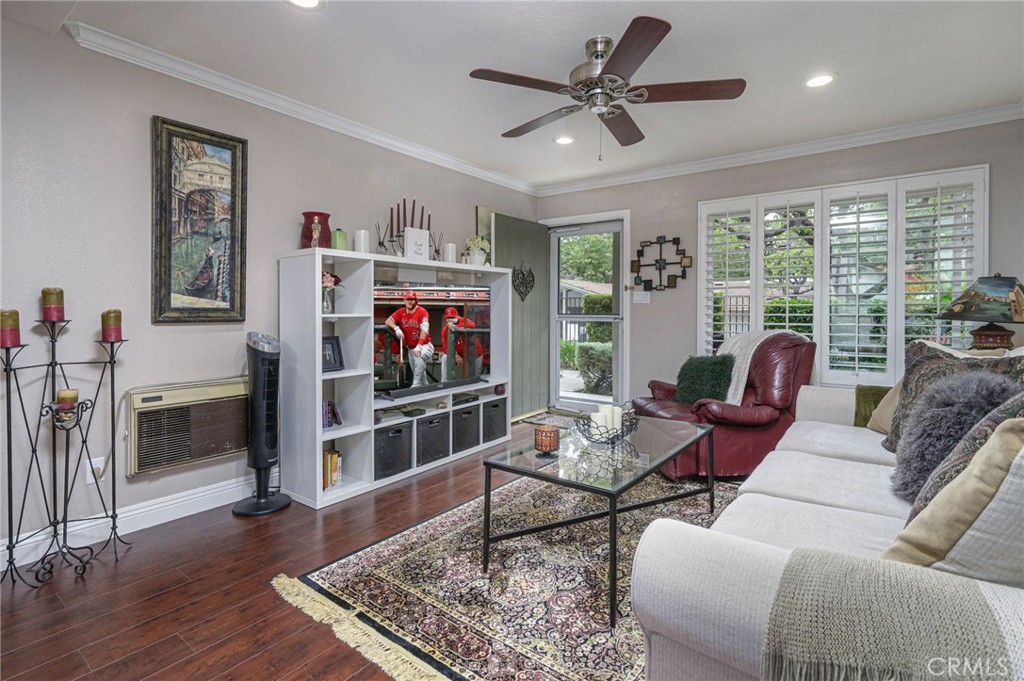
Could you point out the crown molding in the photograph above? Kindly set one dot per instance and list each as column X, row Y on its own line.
column 899, row 132
column 112, row 45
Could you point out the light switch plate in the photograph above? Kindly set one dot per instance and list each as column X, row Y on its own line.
column 642, row 297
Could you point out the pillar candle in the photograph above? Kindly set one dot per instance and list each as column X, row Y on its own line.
column 67, row 397
column 362, row 241
column 110, row 322
column 53, row 304
column 10, row 329
column 451, row 253
column 598, row 423
column 617, row 418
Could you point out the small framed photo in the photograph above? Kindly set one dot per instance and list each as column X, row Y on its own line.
column 332, row 359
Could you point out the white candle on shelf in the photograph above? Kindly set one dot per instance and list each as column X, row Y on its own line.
column 362, row 241
column 598, row 421
column 617, row 418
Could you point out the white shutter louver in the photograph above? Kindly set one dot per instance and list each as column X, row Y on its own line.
column 788, row 268
column 727, row 266
column 858, row 284
column 939, row 261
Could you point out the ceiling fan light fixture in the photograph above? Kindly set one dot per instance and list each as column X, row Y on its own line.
column 308, row 5
column 564, row 139
column 599, row 102
column 820, row 80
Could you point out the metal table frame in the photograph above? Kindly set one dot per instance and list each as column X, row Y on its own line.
column 612, row 513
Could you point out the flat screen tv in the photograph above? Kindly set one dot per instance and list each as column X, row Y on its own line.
column 461, row 353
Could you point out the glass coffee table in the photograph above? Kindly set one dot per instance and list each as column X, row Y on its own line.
column 605, row 470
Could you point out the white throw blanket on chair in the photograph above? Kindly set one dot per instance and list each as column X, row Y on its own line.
column 742, row 347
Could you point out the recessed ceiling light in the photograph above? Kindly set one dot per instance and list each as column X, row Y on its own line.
column 819, row 80
column 564, row 139
column 307, row 4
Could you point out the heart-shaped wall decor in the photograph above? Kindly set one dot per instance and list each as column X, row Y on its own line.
column 523, row 281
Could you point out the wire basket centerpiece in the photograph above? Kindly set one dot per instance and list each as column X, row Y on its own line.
column 608, row 425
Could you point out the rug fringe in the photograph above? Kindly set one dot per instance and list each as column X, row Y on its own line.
column 396, row 662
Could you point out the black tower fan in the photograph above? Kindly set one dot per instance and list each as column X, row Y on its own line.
column 264, row 354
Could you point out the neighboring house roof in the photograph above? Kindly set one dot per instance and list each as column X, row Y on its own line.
column 585, row 286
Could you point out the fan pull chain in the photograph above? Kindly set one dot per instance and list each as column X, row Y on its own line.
column 600, row 140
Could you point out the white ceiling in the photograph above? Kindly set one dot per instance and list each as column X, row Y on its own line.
column 402, row 68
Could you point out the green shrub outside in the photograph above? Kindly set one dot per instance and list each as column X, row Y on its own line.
column 598, row 303
column 566, row 354
column 800, row 315
column 594, row 362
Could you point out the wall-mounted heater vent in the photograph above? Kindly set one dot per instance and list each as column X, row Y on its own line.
column 175, row 425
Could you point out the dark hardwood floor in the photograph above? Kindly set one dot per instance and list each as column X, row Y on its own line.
column 192, row 598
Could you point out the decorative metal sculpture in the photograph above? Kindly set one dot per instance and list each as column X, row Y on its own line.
column 523, row 281
column 660, row 264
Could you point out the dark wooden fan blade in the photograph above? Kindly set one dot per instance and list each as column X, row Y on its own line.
column 543, row 120
column 694, row 91
column 514, row 79
column 635, row 45
column 623, row 127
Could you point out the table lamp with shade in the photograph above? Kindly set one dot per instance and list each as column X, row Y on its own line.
column 989, row 299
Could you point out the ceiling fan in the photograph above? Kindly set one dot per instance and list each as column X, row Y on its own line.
column 604, row 79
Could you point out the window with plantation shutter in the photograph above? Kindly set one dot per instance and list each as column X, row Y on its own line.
column 940, row 227
column 726, row 240
column 861, row 268
column 787, row 267
column 858, row 266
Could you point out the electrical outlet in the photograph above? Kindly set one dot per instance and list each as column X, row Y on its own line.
column 96, row 470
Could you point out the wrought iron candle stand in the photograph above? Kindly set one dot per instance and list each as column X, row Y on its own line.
column 67, row 421
column 66, row 418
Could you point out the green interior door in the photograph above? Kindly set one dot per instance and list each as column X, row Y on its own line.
column 523, row 246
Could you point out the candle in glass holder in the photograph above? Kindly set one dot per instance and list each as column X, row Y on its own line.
column 53, row 304
column 10, row 329
column 545, row 438
column 110, row 321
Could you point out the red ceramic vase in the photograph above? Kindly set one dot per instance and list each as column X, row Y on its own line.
column 307, row 230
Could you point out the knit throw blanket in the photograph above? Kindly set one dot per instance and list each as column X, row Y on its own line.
column 742, row 347
column 846, row 618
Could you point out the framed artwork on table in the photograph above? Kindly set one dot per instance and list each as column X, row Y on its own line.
column 199, row 179
column 332, row 359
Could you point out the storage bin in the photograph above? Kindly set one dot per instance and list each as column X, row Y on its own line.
column 433, row 435
column 392, row 450
column 494, row 421
column 466, row 428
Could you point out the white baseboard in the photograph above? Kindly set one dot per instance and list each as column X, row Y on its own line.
column 139, row 517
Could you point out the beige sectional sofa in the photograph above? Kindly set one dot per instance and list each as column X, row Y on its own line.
column 704, row 597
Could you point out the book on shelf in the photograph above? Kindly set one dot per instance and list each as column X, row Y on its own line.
column 332, row 468
column 330, row 415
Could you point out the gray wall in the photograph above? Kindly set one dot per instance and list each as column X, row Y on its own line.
column 76, row 214
column 663, row 334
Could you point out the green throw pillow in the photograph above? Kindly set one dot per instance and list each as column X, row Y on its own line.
column 701, row 377
column 868, row 397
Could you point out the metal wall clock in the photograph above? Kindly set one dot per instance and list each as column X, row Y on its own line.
column 661, row 264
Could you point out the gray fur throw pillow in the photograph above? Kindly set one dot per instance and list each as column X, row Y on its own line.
column 939, row 419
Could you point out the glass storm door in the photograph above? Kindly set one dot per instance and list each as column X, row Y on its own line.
column 587, row 356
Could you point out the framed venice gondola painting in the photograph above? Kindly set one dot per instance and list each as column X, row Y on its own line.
column 198, row 224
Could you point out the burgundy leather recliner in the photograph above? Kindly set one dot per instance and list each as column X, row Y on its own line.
column 744, row 433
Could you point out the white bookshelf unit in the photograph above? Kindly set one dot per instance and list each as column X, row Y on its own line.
column 367, row 461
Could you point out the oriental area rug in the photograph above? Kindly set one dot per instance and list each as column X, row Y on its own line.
column 418, row 604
